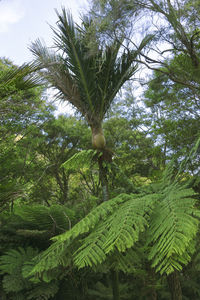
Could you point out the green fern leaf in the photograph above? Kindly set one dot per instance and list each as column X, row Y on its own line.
column 12, row 261
column 80, row 160
column 91, row 253
column 59, row 252
column 42, row 218
column 11, row 264
column 128, row 221
column 172, row 229
column 43, row 291
column 119, row 231
column 14, row 283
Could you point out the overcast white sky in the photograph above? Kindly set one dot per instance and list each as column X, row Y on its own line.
column 23, row 21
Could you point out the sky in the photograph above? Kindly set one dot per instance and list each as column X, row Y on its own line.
column 23, row 21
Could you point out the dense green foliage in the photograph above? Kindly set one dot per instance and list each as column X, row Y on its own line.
column 59, row 240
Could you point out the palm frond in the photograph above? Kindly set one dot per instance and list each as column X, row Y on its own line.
column 68, row 40
column 53, row 69
column 21, row 77
column 89, row 81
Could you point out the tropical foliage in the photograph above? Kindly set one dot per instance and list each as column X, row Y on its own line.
column 59, row 240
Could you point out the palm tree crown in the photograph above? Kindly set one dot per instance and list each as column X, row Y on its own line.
column 89, row 81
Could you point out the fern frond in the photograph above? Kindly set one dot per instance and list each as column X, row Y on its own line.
column 115, row 226
column 93, row 218
column 118, row 232
column 42, row 218
column 11, row 264
column 80, row 160
column 92, row 253
column 128, row 221
column 12, row 260
column 128, row 261
column 172, row 229
column 14, row 283
column 47, row 263
column 58, row 253
column 43, row 291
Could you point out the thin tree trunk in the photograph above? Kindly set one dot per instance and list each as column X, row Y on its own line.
column 103, row 179
column 115, row 284
column 151, row 282
column 175, row 286
column 99, row 142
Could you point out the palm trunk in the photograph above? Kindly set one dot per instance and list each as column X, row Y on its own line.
column 174, row 286
column 99, row 142
column 103, row 179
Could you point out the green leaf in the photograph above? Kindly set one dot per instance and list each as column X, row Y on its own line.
column 172, row 229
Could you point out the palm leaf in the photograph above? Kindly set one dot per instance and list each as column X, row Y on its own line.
column 89, row 81
column 68, row 40
column 20, row 77
column 53, row 69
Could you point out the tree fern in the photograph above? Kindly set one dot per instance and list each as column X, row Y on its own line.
column 11, row 264
column 13, row 260
column 167, row 209
column 119, row 231
column 58, row 253
column 15, row 264
column 43, row 291
column 113, row 225
column 173, row 227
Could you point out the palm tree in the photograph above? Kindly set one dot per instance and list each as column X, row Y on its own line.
column 13, row 77
column 89, row 80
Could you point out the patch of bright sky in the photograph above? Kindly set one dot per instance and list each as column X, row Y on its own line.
column 23, row 21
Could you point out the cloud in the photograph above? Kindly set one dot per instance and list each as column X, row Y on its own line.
column 11, row 12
